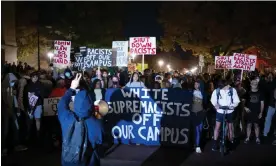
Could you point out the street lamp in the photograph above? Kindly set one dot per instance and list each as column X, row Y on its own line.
column 50, row 55
column 194, row 69
column 160, row 63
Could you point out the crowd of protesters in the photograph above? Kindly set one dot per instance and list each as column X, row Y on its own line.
column 255, row 101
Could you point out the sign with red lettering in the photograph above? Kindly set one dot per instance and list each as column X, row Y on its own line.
column 62, row 51
column 142, row 45
column 223, row 62
column 244, row 61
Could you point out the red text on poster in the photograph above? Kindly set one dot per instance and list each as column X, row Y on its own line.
column 62, row 51
column 223, row 62
column 244, row 61
column 142, row 45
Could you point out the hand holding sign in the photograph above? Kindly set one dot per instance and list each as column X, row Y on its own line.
column 75, row 83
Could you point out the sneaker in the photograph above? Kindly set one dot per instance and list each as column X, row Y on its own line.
column 20, row 148
column 258, row 141
column 274, row 142
column 215, row 147
column 246, row 141
column 198, row 150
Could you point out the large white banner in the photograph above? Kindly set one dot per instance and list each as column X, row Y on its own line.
column 122, row 52
column 244, row 61
column 142, row 45
column 62, row 52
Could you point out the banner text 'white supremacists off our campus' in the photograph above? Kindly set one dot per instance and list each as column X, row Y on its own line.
column 142, row 45
column 121, row 47
column 62, row 51
column 147, row 111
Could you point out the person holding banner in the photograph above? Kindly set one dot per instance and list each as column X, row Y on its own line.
column 135, row 81
column 197, row 114
column 97, row 90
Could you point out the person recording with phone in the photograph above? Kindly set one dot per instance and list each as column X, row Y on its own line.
column 81, row 130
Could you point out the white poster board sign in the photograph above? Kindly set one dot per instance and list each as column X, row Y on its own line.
column 201, row 61
column 244, row 61
column 50, row 106
column 62, row 52
column 122, row 52
column 32, row 99
column 142, row 45
column 223, row 62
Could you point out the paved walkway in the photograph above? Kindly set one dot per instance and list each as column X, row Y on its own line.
column 124, row 155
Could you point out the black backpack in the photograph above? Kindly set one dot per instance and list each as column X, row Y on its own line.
column 75, row 142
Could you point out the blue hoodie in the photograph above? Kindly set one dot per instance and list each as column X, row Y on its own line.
column 82, row 108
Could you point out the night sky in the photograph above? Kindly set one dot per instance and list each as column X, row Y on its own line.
column 141, row 20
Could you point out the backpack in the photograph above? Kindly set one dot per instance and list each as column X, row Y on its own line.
column 75, row 142
column 230, row 93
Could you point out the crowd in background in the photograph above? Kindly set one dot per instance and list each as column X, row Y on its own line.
column 18, row 117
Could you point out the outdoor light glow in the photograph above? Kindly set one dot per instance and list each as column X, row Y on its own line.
column 133, row 56
column 194, row 69
column 168, row 66
column 50, row 55
column 161, row 63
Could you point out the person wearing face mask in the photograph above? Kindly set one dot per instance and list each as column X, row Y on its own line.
column 105, row 79
column 135, row 82
column 36, row 88
column 9, row 113
column 114, row 82
column 68, row 77
column 254, row 108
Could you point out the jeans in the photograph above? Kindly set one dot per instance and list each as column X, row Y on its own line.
column 268, row 119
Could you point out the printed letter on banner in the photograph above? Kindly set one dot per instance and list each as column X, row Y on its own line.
column 223, row 62
column 122, row 52
column 142, row 45
column 62, row 51
column 244, row 61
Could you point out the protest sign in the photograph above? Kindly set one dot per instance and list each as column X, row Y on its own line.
column 244, row 61
column 142, row 45
column 223, row 62
column 32, row 99
column 131, row 67
column 148, row 116
column 139, row 66
column 62, row 52
column 122, row 52
column 95, row 58
column 50, row 105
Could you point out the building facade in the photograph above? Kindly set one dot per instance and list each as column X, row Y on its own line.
column 8, row 31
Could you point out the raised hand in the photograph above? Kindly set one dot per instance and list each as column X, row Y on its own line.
column 75, row 83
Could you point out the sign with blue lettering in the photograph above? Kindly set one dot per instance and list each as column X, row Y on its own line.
column 148, row 116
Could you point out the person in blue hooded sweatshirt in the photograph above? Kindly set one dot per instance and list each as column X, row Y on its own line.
column 83, row 109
